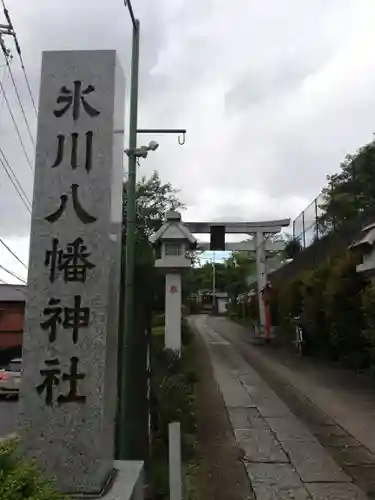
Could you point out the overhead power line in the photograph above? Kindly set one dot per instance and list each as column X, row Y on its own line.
column 12, row 274
column 11, row 252
column 17, row 185
column 16, row 126
column 18, row 50
column 6, row 55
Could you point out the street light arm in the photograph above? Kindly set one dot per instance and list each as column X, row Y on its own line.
column 127, row 3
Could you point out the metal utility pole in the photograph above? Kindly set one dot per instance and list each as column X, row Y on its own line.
column 126, row 384
column 213, row 281
column 128, row 368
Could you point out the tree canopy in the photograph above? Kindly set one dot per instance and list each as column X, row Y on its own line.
column 292, row 248
column 351, row 191
column 231, row 276
column 153, row 200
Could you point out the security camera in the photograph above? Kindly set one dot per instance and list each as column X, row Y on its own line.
column 153, row 145
column 142, row 152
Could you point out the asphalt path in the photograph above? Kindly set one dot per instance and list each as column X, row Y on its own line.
column 8, row 411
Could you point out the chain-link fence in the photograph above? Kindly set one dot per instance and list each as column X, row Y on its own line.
column 305, row 227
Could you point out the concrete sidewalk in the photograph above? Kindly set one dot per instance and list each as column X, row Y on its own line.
column 283, row 458
column 345, row 396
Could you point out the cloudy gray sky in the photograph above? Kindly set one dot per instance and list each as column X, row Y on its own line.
column 273, row 94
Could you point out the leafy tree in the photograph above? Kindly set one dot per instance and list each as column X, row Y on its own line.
column 351, row 191
column 231, row 276
column 292, row 248
column 240, row 267
column 153, row 200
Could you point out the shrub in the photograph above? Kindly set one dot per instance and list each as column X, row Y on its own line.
column 158, row 319
column 335, row 310
column 344, row 314
column 21, row 479
column 286, row 302
column 313, row 311
column 173, row 380
column 368, row 328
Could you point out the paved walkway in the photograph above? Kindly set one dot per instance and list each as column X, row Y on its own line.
column 283, row 459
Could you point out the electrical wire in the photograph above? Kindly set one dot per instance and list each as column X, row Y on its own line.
column 16, row 126
column 4, row 81
column 17, row 93
column 25, row 75
column 12, row 274
column 18, row 50
column 4, row 282
column 17, row 185
column 11, row 251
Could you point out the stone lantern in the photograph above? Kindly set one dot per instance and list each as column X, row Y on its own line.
column 172, row 242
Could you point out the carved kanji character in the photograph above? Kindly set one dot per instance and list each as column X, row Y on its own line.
column 73, row 262
column 84, row 217
column 72, row 377
column 54, row 312
column 73, row 99
column 74, row 151
column 51, row 380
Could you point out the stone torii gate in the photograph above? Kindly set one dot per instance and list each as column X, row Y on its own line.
column 259, row 244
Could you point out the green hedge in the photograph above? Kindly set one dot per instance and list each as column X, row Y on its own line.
column 337, row 310
column 20, row 479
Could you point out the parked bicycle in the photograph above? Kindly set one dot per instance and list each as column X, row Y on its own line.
column 299, row 342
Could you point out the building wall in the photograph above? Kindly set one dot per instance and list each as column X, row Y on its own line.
column 11, row 324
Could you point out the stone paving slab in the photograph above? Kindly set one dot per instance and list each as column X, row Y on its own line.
column 259, row 390
column 276, row 482
column 290, row 428
column 247, row 418
column 226, row 356
column 329, row 491
column 271, row 407
column 313, row 463
column 260, row 446
column 250, row 377
column 232, row 390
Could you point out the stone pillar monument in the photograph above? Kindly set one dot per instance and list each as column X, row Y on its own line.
column 68, row 392
column 174, row 240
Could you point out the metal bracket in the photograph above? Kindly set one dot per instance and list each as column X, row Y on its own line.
column 182, row 142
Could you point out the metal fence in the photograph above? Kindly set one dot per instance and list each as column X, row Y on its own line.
column 305, row 227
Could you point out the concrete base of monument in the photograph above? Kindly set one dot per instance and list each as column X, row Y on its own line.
column 127, row 483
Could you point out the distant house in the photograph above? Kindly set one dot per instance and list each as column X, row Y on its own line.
column 12, row 311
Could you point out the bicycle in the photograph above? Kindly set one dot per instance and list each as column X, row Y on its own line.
column 299, row 342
